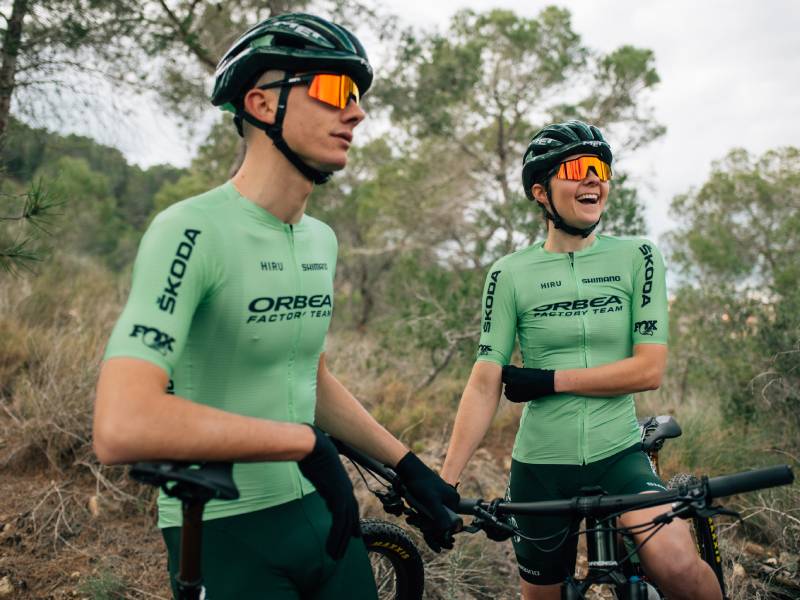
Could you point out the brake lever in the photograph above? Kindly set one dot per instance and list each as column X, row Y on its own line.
column 694, row 507
column 711, row 511
column 680, row 510
column 489, row 516
column 486, row 520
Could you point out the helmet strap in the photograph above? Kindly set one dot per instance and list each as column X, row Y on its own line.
column 275, row 133
column 559, row 222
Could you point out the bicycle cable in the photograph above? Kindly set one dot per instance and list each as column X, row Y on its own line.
column 634, row 529
column 651, row 504
column 630, row 554
column 518, row 533
column 358, row 468
column 532, row 540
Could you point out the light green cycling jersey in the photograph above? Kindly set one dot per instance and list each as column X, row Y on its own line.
column 575, row 310
column 234, row 305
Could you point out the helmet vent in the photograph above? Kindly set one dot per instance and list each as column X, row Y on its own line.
column 289, row 41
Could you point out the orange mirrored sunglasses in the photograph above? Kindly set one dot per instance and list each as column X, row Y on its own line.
column 335, row 90
column 578, row 168
column 329, row 88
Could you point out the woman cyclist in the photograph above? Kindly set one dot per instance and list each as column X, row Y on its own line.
column 590, row 312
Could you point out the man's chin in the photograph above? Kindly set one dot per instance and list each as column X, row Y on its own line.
column 329, row 166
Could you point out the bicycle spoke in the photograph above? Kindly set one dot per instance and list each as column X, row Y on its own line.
column 383, row 571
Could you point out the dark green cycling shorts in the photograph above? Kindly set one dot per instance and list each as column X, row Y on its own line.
column 627, row 472
column 277, row 553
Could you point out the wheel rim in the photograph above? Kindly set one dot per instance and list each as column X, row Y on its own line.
column 385, row 578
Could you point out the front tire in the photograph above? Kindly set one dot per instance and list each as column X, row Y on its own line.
column 396, row 562
column 704, row 532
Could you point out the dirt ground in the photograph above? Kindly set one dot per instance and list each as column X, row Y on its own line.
column 50, row 550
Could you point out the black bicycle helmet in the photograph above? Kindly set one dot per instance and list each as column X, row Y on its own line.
column 292, row 42
column 548, row 148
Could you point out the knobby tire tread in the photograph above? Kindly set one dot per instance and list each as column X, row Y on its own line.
column 395, row 544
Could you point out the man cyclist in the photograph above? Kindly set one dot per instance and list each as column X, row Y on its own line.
column 590, row 312
column 219, row 352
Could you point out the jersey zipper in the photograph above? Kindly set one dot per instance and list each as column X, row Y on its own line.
column 582, row 436
column 293, row 349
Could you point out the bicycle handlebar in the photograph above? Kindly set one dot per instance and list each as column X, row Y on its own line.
column 595, row 505
column 716, row 487
column 598, row 505
column 747, row 481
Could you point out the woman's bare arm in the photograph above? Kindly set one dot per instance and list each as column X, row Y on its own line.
column 641, row 372
column 475, row 413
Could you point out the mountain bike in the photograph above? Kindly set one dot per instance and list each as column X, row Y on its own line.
column 613, row 558
column 396, row 561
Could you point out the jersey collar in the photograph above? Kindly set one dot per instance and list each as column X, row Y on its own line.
column 258, row 213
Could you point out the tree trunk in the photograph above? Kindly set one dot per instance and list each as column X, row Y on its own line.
column 8, row 70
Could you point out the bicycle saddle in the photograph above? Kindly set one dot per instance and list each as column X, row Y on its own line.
column 657, row 429
column 187, row 481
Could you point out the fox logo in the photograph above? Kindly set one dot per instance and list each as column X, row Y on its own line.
column 153, row 338
column 645, row 327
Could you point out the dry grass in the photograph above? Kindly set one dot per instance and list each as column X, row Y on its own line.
column 60, row 506
column 55, row 327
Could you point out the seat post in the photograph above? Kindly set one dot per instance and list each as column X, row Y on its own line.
column 194, row 487
column 189, row 580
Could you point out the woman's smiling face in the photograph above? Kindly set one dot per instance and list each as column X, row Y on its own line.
column 580, row 203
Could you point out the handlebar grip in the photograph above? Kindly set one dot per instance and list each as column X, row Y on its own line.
column 456, row 523
column 747, row 481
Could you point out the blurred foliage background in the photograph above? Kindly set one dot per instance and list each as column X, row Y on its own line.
column 427, row 203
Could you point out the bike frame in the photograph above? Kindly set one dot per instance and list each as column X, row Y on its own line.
column 195, row 487
column 600, row 512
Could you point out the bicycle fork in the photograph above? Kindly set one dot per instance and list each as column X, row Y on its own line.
column 604, row 567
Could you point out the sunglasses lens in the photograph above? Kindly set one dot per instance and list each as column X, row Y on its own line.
column 335, row 90
column 578, row 168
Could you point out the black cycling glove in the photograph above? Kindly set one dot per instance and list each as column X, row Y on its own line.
column 528, row 384
column 436, row 539
column 432, row 494
column 323, row 468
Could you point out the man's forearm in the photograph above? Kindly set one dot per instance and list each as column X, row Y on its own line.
column 135, row 420
column 206, row 434
column 340, row 414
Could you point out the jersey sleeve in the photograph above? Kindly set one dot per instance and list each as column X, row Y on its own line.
column 499, row 317
column 171, row 276
column 649, row 322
